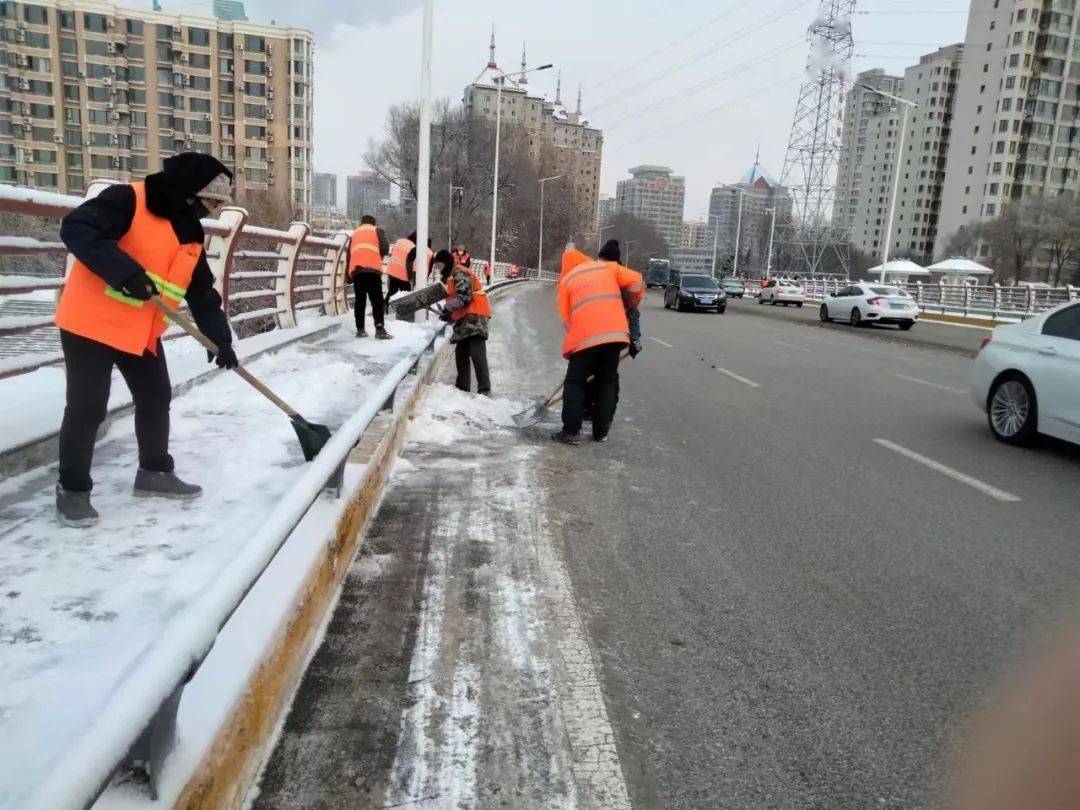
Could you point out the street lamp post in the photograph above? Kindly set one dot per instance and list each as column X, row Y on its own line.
column 540, row 257
column 600, row 235
column 626, row 254
column 450, row 216
column 423, row 180
column 498, row 128
column 772, row 232
column 906, row 108
column 715, row 239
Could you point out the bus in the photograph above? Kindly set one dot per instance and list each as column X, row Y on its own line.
column 658, row 273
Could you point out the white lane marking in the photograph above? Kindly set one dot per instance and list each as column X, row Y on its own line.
column 792, row 346
column 956, row 475
column 735, row 376
column 931, row 384
column 662, row 343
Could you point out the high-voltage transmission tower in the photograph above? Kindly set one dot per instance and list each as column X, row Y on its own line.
column 813, row 243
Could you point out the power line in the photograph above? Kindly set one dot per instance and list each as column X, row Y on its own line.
column 699, row 55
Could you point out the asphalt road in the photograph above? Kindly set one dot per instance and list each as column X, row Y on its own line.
column 788, row 612
column 800, row 562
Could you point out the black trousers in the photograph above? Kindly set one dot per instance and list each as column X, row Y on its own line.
column 601, row 363
column 89, row 366
column 472, row 351
column 394, row 286
column 367, row 285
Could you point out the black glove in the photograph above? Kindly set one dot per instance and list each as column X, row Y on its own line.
column 139, row 286
column 444, row 315
column 225, row 358
column 635, row 348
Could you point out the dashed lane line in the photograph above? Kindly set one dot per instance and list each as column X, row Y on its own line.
column 792, row 346
column 661, row 342
column 948, row 388
column 738, row 377
column 956, row 475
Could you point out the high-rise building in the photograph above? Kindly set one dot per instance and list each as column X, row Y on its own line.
column 98, row 91
column 696, row 234
column 655, row 195
column 931, row 84
column 605, row 209
column 746, row 211
column 365, row 193
column 325, row 190
column 1015, row 134
column 860, row 107
column 560, row 141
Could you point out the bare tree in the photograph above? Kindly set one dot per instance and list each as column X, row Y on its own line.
column 1060, row 218
column 1015, row 238
column 646, row 242
column 965, row 241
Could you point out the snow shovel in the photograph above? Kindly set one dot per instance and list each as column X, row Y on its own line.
column 538, row 413
column 313, row 437
column 424, row 298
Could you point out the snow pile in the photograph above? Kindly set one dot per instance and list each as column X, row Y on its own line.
column 450, row 415
column 79, row 607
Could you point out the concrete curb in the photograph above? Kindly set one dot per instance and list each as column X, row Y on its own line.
column 234, row 762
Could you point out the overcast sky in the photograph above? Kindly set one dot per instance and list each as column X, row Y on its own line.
column 691, row 84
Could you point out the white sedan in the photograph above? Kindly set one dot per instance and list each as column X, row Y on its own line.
column 1026, row 377
column 781, row 291
column 866, row 303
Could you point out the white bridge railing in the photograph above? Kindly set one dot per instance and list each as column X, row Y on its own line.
column 267, row 278
column 989, row 301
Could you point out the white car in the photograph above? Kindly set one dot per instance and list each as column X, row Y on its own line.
column 781, row 291
column 1027, row 377
column 866, row 303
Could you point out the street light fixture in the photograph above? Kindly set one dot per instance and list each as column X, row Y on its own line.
column 540, row 257
column 907, row 106
column 498, row 129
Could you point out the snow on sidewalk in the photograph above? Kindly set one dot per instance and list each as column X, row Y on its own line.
column 78, row 606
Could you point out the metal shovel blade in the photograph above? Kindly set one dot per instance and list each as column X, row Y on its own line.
column 533, row 416
column 313, row 437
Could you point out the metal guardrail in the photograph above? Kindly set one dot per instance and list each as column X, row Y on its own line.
column 991, row 301
column 137, row 723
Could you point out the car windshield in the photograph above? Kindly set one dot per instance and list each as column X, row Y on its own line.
column 732, row 282
column 699, row 282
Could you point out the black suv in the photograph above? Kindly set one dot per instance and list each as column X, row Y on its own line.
column 695, row 292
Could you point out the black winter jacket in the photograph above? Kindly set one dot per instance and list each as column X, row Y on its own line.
column 91, row 233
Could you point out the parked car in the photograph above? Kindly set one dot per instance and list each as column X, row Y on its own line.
column 733, row 287
column 863, row 304
column 1026, row 377
column 694, row 292
column 781, row 291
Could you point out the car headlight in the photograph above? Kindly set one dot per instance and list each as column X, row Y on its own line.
column 685, row 294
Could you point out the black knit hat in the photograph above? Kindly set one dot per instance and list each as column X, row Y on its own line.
column 610, row 251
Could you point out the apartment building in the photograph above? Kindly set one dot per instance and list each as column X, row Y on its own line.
column 1016, row 133
column 696, row 234
column 860, row 107
column 657, row 196
column 561, row 141
column 759, row 197
column 93, row 90
column 325, row 194
column 931, row 85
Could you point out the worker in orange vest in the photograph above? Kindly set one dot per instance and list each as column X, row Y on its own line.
column 467, row 308
column 130, row 243
column 463, row 258
column 593, row 299
column 366, row 251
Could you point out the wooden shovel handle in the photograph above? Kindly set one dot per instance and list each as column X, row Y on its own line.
column 558, row 395
column 188, row 326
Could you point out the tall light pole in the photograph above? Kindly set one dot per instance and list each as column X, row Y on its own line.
column 503, row 77
column 600, row 235
column 626, row 254
column 906, row 107
column 772, row 232
column 715, row 238
column 540, row 257
column 450, row 216
column 423, row 179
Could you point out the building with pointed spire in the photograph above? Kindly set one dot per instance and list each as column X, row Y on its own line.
column 560, row 141
column 759, row 195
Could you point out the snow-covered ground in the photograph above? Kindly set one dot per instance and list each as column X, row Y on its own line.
column 77, row 607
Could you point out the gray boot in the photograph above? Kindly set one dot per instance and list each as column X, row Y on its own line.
column 150, row 484
column 74, row 509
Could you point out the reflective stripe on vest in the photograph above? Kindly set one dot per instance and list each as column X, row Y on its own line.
column 364, row 250
column 399, row 255
column 92, row 309
column 479, row 304
column 591, row 296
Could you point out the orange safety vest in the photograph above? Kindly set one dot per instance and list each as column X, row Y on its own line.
column 91, row 308
column 399, row 253
column 477, row 306
column 593, row 297
column 364, row 250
